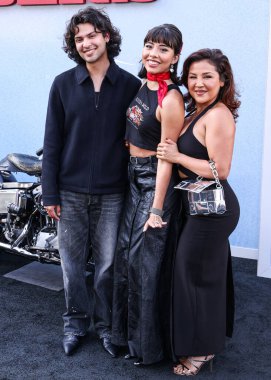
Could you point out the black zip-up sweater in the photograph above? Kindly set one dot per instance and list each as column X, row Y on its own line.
column 84, row 148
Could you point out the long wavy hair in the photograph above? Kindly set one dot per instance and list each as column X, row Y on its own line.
column 101, row 22
column 169, row 35
column 227, row 94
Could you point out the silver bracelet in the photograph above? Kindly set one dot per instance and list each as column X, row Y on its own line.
column 156, row 211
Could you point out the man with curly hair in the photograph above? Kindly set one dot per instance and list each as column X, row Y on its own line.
column 84, row 168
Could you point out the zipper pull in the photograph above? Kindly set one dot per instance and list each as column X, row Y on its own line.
column 97, row 98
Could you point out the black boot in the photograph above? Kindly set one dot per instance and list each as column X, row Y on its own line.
column 70, row 343
column 109, row 347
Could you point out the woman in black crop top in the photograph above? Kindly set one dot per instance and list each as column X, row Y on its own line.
column 203, row 304
column 156, row 113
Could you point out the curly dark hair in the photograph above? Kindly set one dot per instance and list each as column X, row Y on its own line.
column 101, row 22
column 227, row 94
column 169, row 35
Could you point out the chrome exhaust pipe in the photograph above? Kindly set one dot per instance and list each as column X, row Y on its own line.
column 25, row 253
column 18, row 250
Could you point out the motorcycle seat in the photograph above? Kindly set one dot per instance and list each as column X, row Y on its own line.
column 25, row 163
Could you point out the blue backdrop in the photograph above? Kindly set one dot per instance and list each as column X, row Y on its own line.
column 31, row 56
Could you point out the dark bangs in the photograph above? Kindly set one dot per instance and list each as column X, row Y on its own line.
column 162, row 35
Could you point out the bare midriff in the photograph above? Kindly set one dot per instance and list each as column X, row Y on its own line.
column 139, row 152
column 181, row 174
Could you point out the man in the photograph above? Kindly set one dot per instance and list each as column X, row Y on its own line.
column 84, row 168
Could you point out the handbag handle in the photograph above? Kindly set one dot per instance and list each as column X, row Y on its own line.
column 215, row 174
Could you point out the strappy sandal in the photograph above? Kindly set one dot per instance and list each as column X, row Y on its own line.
column 191, row 360
column 178, row 369
column 187, row 371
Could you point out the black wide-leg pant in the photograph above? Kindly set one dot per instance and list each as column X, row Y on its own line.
column 141, row 302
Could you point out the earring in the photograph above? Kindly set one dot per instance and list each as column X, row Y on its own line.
column 171, row 68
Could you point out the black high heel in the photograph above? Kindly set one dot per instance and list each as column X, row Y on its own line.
column 138, row 362
column 128, row 356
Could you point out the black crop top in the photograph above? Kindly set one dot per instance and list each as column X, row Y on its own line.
column 142, row 127
column 189, row 145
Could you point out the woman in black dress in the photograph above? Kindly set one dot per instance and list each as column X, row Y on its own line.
column 202, row 284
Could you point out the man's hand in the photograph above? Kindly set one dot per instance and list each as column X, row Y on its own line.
column 53, row 211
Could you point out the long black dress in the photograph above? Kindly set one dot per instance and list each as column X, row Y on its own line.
column 203, row 301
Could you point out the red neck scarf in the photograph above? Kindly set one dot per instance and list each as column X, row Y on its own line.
column 160, row 78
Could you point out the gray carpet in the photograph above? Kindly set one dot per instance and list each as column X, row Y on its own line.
column 31, row 335
column 48, row 276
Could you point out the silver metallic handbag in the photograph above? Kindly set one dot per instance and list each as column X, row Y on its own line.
column 201, row 201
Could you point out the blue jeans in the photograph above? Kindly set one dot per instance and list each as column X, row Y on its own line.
column 88, row 219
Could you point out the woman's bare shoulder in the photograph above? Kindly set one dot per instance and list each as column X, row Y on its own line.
column 219, row 116
column 218, row 112
column 173, row 97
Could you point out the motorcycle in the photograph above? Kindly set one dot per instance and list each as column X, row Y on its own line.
column 25, row 227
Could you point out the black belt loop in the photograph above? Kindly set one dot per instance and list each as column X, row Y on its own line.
column 143, row 160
